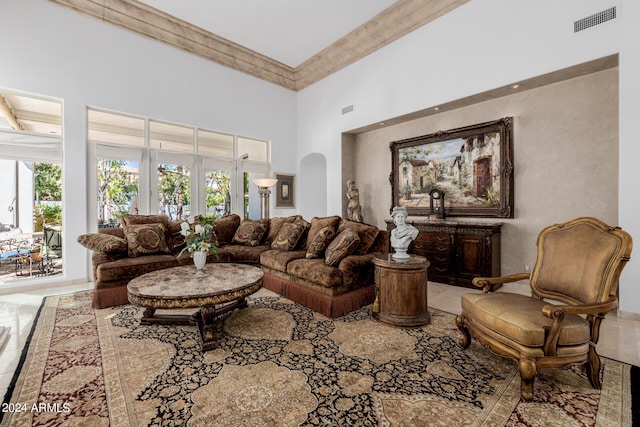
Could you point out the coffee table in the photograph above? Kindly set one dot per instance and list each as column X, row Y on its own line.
column 222, row 290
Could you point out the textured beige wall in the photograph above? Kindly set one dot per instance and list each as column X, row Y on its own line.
column 565, row 158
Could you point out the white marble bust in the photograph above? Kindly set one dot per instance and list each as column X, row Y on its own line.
column 403, row 234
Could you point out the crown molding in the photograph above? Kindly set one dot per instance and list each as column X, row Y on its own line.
column 394, row 22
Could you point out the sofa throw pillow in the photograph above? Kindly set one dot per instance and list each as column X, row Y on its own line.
column 145, row 219
column 318, row 223
column 249, row 233
column 177, row 239
column 103, row 243
column 367, row 234
column 146, row 239
column 288, row 236
column 275, row 224
column 150, row 219
column 317, row 246
column 225, row 228
column 343, row 245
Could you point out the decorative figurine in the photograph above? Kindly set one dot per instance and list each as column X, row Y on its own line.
column 354, row 210
column 403, row 234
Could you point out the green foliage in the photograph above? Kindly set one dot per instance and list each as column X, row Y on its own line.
column 199, row 235
column 47, row 215
column 492, row 198
column 174, row 187
column 406, row 155
column 116, row 187
column 218, row 183
column 47, row 181
column 246, row 195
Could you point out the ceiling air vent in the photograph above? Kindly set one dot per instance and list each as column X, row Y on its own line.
column 595, row 19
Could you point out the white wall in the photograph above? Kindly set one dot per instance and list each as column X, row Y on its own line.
column 480, row 46
column 313, row 185
column 629, row 177
column 52, row 50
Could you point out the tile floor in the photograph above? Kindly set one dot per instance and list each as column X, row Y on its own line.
column 619, row 336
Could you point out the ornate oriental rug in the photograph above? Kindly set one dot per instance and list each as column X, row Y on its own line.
column 280, row 364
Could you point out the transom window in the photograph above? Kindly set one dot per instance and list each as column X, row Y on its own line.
column 144, row 165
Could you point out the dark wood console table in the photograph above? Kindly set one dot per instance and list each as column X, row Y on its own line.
column 457, row 251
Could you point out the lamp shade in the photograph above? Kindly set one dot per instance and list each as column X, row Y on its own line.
column 265, row 182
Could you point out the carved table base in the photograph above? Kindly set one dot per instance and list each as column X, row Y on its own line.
column 223, row 290
column 205, row 318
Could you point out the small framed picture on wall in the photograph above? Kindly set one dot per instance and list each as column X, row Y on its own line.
column 285, row 191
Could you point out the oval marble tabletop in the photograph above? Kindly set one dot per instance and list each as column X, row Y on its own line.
column 224, row 282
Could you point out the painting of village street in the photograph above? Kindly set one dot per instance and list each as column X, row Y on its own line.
column 468, row 165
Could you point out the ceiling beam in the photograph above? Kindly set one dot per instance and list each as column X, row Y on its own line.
column 151, row 22
column 7, row 112
column 394, row 22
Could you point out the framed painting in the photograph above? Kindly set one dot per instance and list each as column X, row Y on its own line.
column 472, row 166
column 285, row 191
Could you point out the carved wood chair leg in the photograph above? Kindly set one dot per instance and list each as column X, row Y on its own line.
column 593, row 367
column 528, row 373
column 465, row 340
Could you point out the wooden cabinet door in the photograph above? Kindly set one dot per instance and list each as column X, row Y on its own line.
column 472, row 257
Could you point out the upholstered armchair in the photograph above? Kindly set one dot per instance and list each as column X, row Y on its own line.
column 577, row 269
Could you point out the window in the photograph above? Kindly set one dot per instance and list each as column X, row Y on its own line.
column 215, row 144
column 115, row 128
column 117, row 190
column 253, row 150
column 167, row 137
column 174, row 190
column 146, row 165
column 31, row 173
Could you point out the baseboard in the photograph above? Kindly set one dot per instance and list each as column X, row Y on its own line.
column 627, row 315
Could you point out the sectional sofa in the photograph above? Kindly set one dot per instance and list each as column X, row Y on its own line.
column 324, row 264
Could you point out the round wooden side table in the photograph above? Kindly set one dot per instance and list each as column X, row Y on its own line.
column 401, row 290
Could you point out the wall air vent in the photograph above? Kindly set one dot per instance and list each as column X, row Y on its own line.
column 347, row 109
column 595, row 19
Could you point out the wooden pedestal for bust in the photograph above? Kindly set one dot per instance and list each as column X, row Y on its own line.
column 401, row 290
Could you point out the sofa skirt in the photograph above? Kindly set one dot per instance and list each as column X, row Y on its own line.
column 109, row 297
column 328, row 305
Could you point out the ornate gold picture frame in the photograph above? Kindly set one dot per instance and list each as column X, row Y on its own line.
column 285, row 191
column 472, row 165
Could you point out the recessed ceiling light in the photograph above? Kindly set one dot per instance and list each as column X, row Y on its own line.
column 515, row 86
column 381, row 123
column 436, row 108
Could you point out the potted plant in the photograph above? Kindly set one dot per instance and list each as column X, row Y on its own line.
column 200, row 239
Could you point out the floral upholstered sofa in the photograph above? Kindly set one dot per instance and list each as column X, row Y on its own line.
column 329, row 270
column 324, row 264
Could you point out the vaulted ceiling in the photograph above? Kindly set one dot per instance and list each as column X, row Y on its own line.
column 293, row 43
